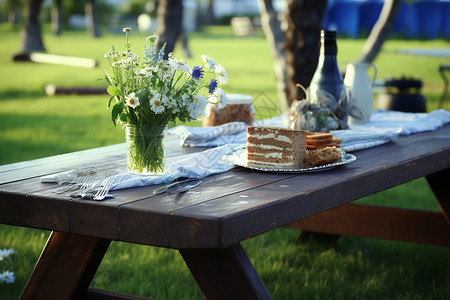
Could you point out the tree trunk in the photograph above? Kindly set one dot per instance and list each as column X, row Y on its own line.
column 31, row 34
column 304, row 20
column 169, row 24
column 380, row 32
column 56, row 17
column 91, row 18
column 274, row 35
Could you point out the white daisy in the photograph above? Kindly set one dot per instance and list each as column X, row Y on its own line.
column 7, row 277
column 179, row 65
column 165, row 70
column 221, row 74
column 209, row 62
column 152, row 39
column 132, row 100
column 222, row 97
column 157, row 104
column 197, row 107
column 147, row 71
column 219, row 97
column 5, row 253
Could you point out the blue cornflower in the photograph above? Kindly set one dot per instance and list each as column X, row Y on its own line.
column 197, row 72
column 212, row 86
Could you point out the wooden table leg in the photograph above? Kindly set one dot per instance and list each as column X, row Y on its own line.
column 440, row 185
column 66, row 267
column 225, row 273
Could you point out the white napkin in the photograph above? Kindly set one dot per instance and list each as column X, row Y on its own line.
column 229, row 133
column 68, row 176
column 409, row 123
column 383, row 127
column 195, row 165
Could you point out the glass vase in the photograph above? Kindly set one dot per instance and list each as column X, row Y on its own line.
column 145, row 148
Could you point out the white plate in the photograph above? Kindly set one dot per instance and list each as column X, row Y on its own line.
column 238, row 157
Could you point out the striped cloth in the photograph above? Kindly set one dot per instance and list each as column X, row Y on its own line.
column 383, row 127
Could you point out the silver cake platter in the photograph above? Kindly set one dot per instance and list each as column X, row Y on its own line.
column 238, row 157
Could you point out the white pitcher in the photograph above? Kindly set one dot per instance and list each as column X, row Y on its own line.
column 358, row 81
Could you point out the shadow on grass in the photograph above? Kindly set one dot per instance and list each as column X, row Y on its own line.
column 15, row 94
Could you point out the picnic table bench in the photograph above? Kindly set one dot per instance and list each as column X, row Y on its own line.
column 208, row 226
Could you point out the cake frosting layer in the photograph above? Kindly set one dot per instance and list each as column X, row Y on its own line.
column 275, row 147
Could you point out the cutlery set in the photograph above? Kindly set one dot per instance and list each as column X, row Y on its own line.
column 86, row 187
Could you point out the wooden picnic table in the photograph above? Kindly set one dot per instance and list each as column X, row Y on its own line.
column 208, row 225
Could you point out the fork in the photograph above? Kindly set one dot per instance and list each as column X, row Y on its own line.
column 102, row 193
column 70, row 185
column 86, row 186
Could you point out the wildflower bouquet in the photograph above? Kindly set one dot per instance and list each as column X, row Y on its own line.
column 149, row 92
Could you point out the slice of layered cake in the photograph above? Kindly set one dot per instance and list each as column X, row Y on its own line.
column 269, row 147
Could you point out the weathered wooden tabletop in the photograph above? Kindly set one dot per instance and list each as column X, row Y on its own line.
column 224, row 210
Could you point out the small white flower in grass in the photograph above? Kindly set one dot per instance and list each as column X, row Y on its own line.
column 126, row 29
column 5, row 253
column 132, row 100
column 7, row 277
column 221, row 74
column 209, row 62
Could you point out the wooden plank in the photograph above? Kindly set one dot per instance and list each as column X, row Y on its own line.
column 225, row 273
column 94, row 218
column 380, row 222
column 66, row 267
column 98, row 294
column 139, row 215
column 52, row 90
column 39, row 57
column 12, row 209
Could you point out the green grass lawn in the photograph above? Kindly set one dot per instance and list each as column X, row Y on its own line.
column 33, row 125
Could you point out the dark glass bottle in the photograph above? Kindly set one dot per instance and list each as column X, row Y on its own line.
column 327, row 79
